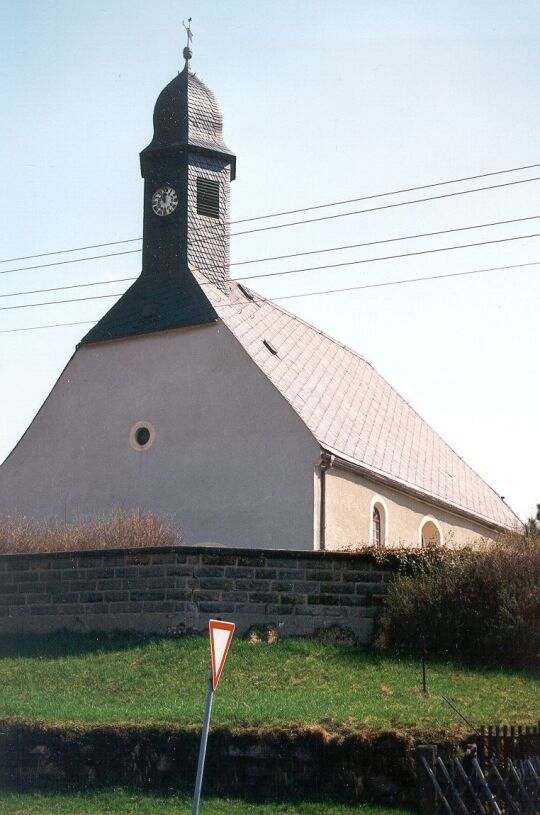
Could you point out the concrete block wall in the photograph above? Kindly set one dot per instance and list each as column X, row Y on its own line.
column 169, row 590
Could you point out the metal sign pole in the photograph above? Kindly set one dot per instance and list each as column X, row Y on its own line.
column 202, row 748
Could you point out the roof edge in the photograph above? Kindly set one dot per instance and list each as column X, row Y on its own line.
column 350, row 464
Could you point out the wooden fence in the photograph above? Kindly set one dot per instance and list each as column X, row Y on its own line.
column 499, row 774
column 503, row 742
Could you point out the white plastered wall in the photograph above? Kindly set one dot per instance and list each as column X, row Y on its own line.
column 349, row 506
column 231, row 462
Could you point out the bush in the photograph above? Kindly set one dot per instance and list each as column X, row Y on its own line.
column 482, row 606
column 404, row 559
column 122, row 530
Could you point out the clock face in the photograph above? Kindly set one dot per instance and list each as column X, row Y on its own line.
column 164, row 201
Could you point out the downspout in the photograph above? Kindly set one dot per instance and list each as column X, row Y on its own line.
column 325, row 462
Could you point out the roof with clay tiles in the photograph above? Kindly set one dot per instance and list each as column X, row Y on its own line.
column 351, row 409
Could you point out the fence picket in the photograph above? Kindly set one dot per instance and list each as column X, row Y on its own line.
column 522, row 788
column 504, row 788
column 437, row 786
column 470, row 786
column 489, row 795
column 534, row 774
column 452, row 786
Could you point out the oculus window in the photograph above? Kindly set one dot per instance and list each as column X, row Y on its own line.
column 142, row 436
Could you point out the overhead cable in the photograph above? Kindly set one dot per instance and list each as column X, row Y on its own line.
column 39, row 327
column 384, row 206
column 261, row 300
column 388, row 257
column 317, row 206
column 297, row 271
column 272, row 257
column 385, row 194
column 407, row 280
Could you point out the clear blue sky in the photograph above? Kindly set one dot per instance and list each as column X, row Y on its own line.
column 321, row 102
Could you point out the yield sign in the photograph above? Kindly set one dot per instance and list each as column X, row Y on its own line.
column 221, row 634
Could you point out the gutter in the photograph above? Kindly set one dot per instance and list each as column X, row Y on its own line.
column 360, row 469
column 325, row 462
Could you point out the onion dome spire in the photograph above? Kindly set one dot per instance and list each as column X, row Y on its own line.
column 187, row 117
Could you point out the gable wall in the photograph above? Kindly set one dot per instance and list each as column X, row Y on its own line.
column 349, row 506
column 231, row 462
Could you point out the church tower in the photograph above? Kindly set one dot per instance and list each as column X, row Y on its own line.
column 187, row 170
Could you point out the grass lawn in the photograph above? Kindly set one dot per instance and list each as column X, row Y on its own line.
column 133, row 679
column 120, row 802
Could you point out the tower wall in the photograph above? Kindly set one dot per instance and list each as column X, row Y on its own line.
column 165, row 239
column 208, row 244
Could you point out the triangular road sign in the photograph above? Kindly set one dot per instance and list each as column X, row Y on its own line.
column 221, row 634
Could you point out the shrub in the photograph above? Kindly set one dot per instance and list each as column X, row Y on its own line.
column 405, row 559
column 122, row 530
column 483, row 606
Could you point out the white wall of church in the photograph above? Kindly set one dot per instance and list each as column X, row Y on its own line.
column 349, row 508
column 231, row 462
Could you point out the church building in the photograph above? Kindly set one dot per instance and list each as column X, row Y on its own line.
column 196, row 399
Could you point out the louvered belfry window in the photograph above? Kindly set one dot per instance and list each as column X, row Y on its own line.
column 207, row 197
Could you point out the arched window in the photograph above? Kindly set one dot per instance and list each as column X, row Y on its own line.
column 376, row 526
column 378, row 522
column 430, row 532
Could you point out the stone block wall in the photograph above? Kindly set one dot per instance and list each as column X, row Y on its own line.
column 167, row 590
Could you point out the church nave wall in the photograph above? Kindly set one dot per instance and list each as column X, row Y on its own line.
column 350, row 501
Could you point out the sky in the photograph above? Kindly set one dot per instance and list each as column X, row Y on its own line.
column 322, row 103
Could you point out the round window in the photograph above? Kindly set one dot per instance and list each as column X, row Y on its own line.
column 142, row 435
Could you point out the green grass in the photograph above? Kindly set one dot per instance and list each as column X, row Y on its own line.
column 93, row 679
column 119, row 802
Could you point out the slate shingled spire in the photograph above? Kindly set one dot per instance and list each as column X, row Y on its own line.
column 188, row 156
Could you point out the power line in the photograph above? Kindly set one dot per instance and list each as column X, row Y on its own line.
column 389, row 257
column 73, row 286
column 61, row 302
column 75, row 249
column 315, row 207
column 385, row 194
column 310, row 294
column 385, row 206
column 38, row 327
column 75, row 260
column 385, row 240
column 297, row 271
column 408, row 280
column 266, row 259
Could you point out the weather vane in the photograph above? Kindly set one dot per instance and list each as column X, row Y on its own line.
column 187, row 50
column 188, row 31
